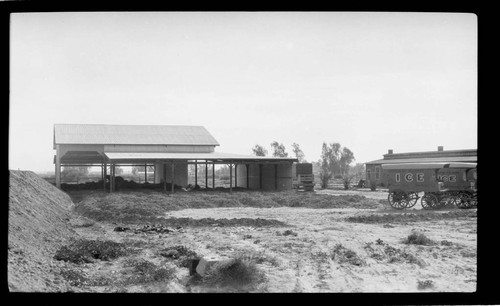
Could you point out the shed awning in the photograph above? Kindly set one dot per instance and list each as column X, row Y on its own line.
column 212, row 157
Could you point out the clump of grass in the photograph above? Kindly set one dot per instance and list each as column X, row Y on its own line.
column 468, row 253
column 237, row 272
column 425, row 284
column 147, row 272
column 446, row 243
column 381, row 251
column 179, row 253
column 85, row 251
column 259, row 257
column 418, row 239
column 74, row 277
column 343, row 255
column 287, row 233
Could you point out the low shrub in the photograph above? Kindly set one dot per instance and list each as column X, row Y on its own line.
column 85, row 251
column 236, row 272
column 147, row 272
column 289, row 233
column 344, row 255
column 425, row 284
column 418, row 239
column 74, row 277
column 179, row 253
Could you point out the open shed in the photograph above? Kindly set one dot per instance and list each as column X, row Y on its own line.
column 169, row 149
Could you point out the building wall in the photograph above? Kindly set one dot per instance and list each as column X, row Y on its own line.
column 371, row 175
column 253, row 176
column 285, row 176
column 241, row 176
column 180, row 173
column 269, row 181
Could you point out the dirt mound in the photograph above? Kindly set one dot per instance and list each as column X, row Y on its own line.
column 38, row 225
column 412, row 217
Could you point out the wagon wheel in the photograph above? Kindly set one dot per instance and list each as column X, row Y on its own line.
column 397, row 200
column 474, row 199
column 453, row 199
column 443, row 200
column 411, row 199
column 466, row 200
column 429, row 201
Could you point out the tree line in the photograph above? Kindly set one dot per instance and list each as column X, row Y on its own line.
column 335, row 161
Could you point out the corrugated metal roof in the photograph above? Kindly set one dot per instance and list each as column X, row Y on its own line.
column 132, row 134
column 425, row 160
column 191, row 156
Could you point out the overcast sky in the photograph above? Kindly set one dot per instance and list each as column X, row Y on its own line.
column 370, row 81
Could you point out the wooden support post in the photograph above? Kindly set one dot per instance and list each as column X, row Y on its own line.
column 248, row 176
column 213, row 175
column 145, row 173
column 206, row 174
column 165, row 177
column 154, row 174
column 110, row 178
column 172, row 176
column 235, row 175
column 195, row 173
column 105, row 175
column 230, row 178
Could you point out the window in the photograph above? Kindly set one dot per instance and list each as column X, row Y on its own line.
column 398, row 177
column 377, row 172
column 368, row 174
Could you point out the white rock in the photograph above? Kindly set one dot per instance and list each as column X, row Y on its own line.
column 206, row 262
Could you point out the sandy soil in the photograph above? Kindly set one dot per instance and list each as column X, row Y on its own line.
column 303, row 263
column 294, row 258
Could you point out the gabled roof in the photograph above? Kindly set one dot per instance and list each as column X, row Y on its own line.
column 132, row 134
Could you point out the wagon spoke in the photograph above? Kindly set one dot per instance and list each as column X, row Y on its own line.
column 429, row 201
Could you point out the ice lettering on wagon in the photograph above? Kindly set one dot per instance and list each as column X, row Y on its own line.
column 420, row 177
column 409, row 177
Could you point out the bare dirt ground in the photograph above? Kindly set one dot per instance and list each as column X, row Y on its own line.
column 325, row 241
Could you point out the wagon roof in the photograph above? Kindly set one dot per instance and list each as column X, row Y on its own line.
column 401, row 166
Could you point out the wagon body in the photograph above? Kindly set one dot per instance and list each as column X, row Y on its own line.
column 458, row 179
column 442, row 183
column 412, row 180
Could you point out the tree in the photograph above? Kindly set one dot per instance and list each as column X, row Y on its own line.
column 334, row 161
column 259, row 150
column 358, row 171
column 298, row 153
column 279, row 149
column 74, row 173
column 325, row 172
column 346, row 158
column 118, row 170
